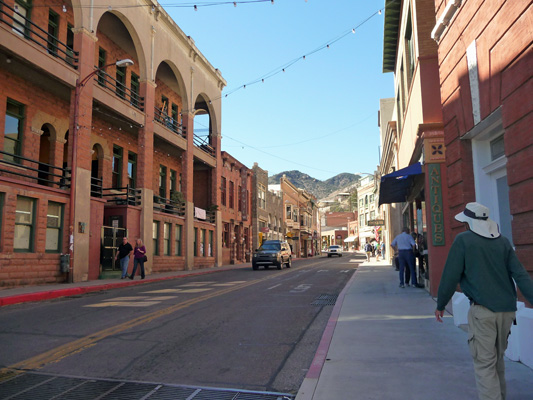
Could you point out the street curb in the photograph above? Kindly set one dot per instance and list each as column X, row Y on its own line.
column 54, row 294
column 310, row 382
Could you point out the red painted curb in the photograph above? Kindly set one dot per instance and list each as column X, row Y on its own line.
column 320, row 356
column 54, row 294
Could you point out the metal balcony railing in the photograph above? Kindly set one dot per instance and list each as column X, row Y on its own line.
column 122, row 196
column 30, row 31
column 211, row 216
column 169, row 206
column 169, row 122
column 121, row 90
column 42, row 173
column 202, row 142
column 96, row 187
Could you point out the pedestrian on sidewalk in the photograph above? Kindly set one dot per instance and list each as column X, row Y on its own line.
column 484, row 263
column 368, row 251
column 139, row 255
column 124, row 252
column 405, row 245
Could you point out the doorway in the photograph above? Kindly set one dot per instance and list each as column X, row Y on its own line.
column 111, row 238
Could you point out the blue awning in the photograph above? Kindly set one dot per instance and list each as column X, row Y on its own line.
column 396, row 186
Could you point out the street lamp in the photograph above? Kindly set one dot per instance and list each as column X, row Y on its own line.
column 73, row 165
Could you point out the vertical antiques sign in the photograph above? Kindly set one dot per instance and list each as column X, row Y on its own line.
column 437, row 212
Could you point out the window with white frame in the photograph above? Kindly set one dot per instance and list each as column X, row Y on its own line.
column 261, row 193
column 24, row 224
column 490, row 170
column 54, row 227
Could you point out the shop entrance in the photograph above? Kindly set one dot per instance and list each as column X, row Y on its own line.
column 111, row 238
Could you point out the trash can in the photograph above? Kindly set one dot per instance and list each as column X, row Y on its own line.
column 64, row 263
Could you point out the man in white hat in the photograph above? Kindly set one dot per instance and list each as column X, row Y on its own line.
column 485, row 264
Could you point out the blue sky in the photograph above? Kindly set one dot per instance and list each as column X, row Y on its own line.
column 320, row 115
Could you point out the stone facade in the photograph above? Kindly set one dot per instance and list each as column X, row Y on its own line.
column 111, row 146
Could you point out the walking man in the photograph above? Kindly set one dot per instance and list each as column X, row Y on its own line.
column 368, row 251
column 123, row 255
column 405, row 244
column 485, row 265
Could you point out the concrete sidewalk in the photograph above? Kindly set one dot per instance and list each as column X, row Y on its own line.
column 382, row 342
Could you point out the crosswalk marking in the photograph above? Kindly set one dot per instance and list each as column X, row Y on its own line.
column 128, row 298
column 124, row 304
column 146, row 300
column 195, row 284
column 229, row 283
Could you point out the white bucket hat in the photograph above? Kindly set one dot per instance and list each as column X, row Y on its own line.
column 477, row 217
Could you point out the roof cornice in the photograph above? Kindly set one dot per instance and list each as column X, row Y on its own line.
column 393, row 11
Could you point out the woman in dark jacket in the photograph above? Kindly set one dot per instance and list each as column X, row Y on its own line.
column 139, row 255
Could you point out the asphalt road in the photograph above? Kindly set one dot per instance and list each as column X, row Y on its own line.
column 245, row 329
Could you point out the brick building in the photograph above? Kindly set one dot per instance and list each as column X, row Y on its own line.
column 411, row 172
column 485, row 63
column 93, row 149
column 267, row 210
column 236, row 210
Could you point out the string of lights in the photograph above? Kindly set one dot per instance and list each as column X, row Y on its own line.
column 196, row 5
column 278, row 157
column 268, row 75
column 284, row 67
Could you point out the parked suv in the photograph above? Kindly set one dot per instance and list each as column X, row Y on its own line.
column 272, row 252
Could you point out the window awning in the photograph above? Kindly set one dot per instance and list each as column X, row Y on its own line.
column 350, row 239
column 363, row 235
column 396, row 186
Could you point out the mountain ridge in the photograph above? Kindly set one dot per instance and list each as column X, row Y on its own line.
column 321, row 189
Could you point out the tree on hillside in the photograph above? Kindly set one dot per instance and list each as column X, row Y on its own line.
column 352, row 200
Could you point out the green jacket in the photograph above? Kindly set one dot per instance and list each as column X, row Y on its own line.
column 485, row 269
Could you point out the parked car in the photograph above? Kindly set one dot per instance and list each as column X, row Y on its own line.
column 272, row 252
column 335, row 250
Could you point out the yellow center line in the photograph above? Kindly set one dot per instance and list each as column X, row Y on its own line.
column 76, row 346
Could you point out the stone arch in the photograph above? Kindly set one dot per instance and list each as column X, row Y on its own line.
column 133, row 35
column 59, row 125
column 179, row 86
column 203, row 106
column 77, row 11
column 46, row 157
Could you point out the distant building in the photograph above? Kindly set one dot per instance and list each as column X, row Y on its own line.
column 367, row 209
column 334, row 229
column 267, row 210
column 236, row 210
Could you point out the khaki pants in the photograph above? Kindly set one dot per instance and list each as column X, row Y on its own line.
column 487, row 339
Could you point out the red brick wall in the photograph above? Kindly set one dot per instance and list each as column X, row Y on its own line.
column 505, row 61
column 161, row 262
column 234, row 171
column 171, row 162
column 38, row 267
column 201, row 188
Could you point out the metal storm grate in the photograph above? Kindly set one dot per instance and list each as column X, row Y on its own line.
column 47, row 387
column 325, row 300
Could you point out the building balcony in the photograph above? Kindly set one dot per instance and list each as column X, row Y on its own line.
column 202, row 142
column 169, row 122
column 122, row 91
column 205, row 215
column 25, row 28
column 34, row 171
column 169, row 206
column 125, row 196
